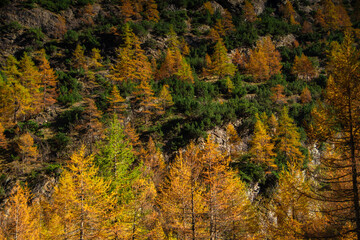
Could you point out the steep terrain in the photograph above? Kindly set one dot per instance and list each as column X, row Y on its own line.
column 184, row 112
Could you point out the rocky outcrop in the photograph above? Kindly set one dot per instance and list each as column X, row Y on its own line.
column 50, row 23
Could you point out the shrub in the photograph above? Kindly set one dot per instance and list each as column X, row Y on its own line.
column 68, row 118
column 69, row 88
column 71, row 37
column 59, row 142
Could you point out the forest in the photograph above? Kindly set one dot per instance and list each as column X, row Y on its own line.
column 187, row 119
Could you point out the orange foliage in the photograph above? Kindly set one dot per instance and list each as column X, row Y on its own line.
column 19, row 221
column 278, row 94
column 48, row 81
column 27, row 149
column 249, row 12
column 262, row 148
column 289, row 12
column 30, row 79
column 3, row 141
column 151, row 12
column 131, row 64
column 117, row 102
column 175, row 63
column 208, row 6
column 264, row 61
column 303, row 68
column 145, row 100
column 305, row 96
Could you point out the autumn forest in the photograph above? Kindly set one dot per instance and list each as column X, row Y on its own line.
column 179, row 119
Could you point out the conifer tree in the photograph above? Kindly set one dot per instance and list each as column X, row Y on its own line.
column 117, row 102
column 273, row 125
column 289, row 12
column 184, row 71
column 233, row 139
column 79, row 60
column 82, row 204
column 165, row 97
column 303, row 68
column 207, row 6
column 264, row 61
column 145, row 101
column 48, row 81
column 227, row 22
column 3, row 141
column 19, row 220
column 30, row 79
column 337, row 122
column 262, row 149
column 133, row 137
column 181, row 198
column 305, row 96
column 175, row 63
column 249, row 12
column 27, row 149
column 127, row 10
column 154, row 161
column 151, row 11
column 289, row 139
column 296, row 215
column 221, row 64
column 131, row 63
column 278, row 95
column 96, row 58
column 227, row 207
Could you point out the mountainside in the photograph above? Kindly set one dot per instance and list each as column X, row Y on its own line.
column 191, row 119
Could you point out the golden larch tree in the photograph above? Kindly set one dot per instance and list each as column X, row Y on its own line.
column 184, row 71
column 78, row 59
column 96, row 58
column 30, row 79
column 289, row 12
column 145, row 101
column 337, row 122
column 208, row 7
column 82, row 203
column 303, row 68
column 165, row 97
column 228, row 208
column 131, row 63
column 117, row 104
column 262, row 148
column 264, row 60
column 289, row 138
column 16, row 98
column 296, row 215
column 151, row 11
column 233, row 140
column 221, row 64
column 277, row 94
column 249, row 12
column 27, row 149
column 48, row 81
column 3, row 141
column 19, row 219
column 305, row 96
column 181, row 197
